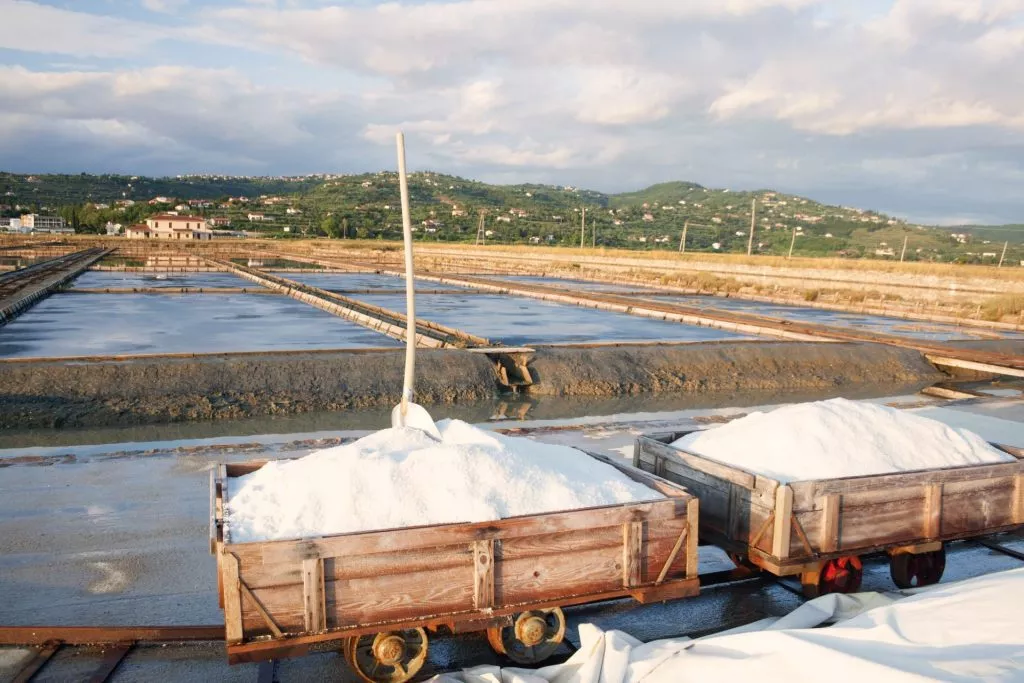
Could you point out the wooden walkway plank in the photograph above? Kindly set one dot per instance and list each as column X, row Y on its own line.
column 112, row 658
column 37, row 662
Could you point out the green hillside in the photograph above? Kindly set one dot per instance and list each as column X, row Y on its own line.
column 447, row 208
column 1013, row 233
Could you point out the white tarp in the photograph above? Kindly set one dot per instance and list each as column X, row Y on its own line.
column 967, row 631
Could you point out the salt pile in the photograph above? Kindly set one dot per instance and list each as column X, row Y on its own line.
column 403, row 477
column 839, row 438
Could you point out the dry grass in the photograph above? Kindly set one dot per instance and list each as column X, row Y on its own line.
column 999, row 307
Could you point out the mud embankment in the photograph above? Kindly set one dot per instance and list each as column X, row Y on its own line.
column 725, row 368
column 50, row 394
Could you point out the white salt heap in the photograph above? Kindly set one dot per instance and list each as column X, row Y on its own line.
column 839, row 438
column 402, row 477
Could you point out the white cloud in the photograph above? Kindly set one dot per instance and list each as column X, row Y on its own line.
column 33, row 27
column 921, row 102
column 164, row 6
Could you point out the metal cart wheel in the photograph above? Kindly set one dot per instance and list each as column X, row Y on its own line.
column 841, row 575
column 533, row 636
column 910, row 570
column 387, row 657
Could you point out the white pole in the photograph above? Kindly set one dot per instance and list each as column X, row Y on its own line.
column 753, row 218
column 904, row 251
column 410, row 298
column 1003, row 255
column 583, row 227
column 682, row 239
column 792, row 242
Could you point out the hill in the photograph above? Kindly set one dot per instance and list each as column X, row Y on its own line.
column 1014, row 232
column 447, row 208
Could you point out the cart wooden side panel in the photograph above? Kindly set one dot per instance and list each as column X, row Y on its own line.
column 787, row 528
column 463, row 576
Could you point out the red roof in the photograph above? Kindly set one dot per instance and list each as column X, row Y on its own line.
column 139, row 227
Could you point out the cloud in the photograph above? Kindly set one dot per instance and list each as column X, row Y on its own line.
column 174, row 117
column 908, row 105
column 164, row 6
column 32, row 27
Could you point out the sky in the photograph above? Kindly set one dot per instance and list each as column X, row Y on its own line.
column 912, row 107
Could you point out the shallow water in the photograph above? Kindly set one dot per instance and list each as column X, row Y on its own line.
column 522, row 321
column 114, row 324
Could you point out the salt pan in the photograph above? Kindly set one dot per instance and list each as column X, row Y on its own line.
column 403, row 477
column 839, row 438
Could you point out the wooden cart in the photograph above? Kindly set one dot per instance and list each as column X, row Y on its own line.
column 819, row 529
column 380, row 592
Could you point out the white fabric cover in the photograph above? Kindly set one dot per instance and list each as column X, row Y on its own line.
column 967, row 631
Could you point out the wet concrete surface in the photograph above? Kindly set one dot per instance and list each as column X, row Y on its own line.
column 100, row 279
column 89, row 325
column 584, row 285
column 521, row 321
column 123, row 540
column 350, row 281
column 875, row 323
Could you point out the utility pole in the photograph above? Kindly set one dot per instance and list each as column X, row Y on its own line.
column 904, row 252
column 682, row 239
column 593, row 234
column 583, row 227
column 753, row 219
column 792, row 242
column 1003, row 255
column 481, row 238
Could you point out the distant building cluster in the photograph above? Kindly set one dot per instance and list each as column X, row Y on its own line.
column 34, row 223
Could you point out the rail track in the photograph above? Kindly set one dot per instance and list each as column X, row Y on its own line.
column 105, row 648
column 23, row 288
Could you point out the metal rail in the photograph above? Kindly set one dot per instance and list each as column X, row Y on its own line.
column 47, row 641
column 21, row 289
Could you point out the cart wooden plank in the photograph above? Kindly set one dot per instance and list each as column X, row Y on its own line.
column 804, row 523
column 294, row 593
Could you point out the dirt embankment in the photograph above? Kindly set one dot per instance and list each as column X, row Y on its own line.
column 725, row 368
column 153, row 390
column 52, row 394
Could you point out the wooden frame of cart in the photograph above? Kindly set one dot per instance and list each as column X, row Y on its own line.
column 818, row 529
column 380, row 592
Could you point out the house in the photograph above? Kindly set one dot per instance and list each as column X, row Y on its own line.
column 219, row 221
column 292, row 211
column 518, row 213
column 456, row 212
column 34, row 222
column 10, row 224
column 257, row 217
column 139, row 231
column 171, row 227
column 888, row 251
column 113, row 228
column 503, row 219
column 161, row 200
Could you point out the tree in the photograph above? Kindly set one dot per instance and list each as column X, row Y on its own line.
column 331, row 226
